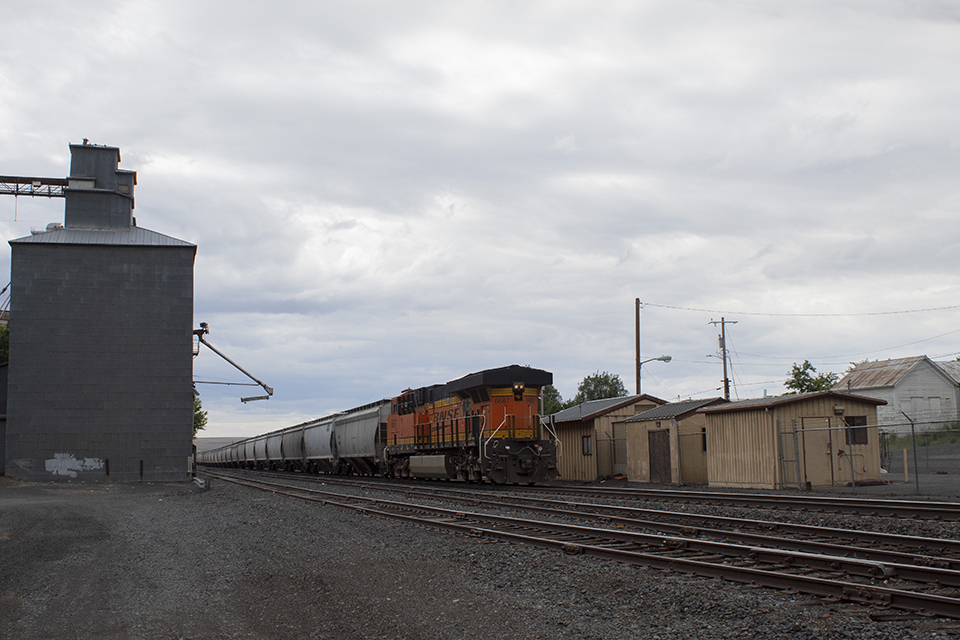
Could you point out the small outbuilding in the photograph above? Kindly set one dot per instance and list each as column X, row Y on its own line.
column 804, row 440
column 668, row 444
column 591, row 444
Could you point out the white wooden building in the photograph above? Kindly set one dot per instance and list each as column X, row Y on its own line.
column 916, row 389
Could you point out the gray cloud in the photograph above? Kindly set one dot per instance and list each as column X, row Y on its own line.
column 392, row 195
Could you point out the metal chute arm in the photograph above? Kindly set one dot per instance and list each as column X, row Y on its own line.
column 269, row 390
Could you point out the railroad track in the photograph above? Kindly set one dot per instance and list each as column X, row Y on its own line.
column 908, row 509
column 917, row 509
column 809, row 565
column 867, row 545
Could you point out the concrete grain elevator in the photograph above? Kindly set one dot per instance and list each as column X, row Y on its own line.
column 101, row 311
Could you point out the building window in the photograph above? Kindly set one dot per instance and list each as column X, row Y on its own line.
column 587, row 448
column 703, row 433
column 856, row 429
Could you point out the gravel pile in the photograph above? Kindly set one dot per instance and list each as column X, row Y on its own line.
column 165, row 561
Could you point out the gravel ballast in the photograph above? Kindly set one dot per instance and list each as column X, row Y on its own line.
column 171, row 561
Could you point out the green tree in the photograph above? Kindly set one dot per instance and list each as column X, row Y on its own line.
column 552, row 402
column 803, row 380
column 4, row 343
column 599, row 386
column 199, row 416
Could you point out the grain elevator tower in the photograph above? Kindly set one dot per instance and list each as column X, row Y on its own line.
column 101, row 313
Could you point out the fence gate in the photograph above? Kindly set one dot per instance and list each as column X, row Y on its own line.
column 619, row 450
column 791, row 464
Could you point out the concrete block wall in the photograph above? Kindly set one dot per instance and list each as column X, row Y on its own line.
column 100, row 375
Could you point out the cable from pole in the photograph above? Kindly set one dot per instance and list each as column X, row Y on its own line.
column 800, row 315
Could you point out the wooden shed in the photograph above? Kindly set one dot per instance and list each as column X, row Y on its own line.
column 825, row 438
column 668, row 444
column 591, row 444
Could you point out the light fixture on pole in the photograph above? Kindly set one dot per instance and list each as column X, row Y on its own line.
column 643, row 362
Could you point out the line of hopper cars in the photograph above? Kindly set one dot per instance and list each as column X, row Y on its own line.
column 484, row 426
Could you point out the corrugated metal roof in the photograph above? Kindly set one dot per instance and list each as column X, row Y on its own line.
column 773, row 401
column 134, row 236
column 596, row 408
column 882, row 373
column 673, row 410
column 952, row 369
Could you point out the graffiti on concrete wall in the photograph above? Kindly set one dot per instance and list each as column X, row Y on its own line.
column 66, row 464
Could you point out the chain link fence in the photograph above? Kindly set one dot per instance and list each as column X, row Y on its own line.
column 814, row 454
column 918, row 457
column 926, row 454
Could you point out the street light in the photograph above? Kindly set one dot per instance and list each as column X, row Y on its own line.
column 643, row 362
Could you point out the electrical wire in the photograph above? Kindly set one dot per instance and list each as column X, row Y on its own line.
column 733, row 371
column 860, row 353
column 657, row 382
column 734, row 374
column 799, row 315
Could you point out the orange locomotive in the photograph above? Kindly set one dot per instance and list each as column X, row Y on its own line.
column 483, row 426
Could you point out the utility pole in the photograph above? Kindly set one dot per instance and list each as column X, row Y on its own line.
column 638, row 346
column 723, row 353
column 640, row 362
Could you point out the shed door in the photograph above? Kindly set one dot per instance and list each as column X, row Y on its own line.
column 818, row 454
column 659, row 442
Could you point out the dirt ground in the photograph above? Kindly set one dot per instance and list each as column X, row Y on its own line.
column 119, row 561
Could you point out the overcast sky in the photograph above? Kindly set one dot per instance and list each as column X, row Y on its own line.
column 388, row 195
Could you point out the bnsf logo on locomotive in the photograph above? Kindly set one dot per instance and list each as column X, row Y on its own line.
column 447, row 414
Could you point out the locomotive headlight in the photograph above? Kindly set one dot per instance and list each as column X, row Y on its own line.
column 518, row 391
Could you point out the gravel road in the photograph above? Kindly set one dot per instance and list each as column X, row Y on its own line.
column 171, row 561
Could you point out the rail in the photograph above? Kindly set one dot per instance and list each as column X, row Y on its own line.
column 711, row 558
column 802, row 537
column 927, row 510
column 440, row 426
column 550, row 427
column 487, row 441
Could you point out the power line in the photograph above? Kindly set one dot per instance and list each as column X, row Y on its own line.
column 858, row 353
column 799, row 315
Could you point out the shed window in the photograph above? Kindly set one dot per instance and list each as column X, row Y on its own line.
column 856, row 429
column 587, row 446
column 703, row 433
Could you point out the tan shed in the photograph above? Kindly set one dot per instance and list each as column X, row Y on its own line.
column 591, row 444
column 668, row 444
column 825, row 438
